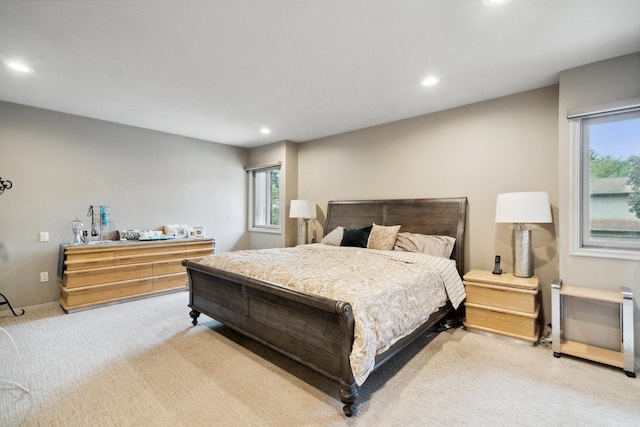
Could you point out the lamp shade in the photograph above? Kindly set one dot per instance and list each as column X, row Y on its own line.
column 302, row 209
column 523, row 207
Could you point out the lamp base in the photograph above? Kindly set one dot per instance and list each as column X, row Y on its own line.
column 302, row 232
column 522, row 259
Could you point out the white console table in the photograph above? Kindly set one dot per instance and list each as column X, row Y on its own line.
column 622, row 359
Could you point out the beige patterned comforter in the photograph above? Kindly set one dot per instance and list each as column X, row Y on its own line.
column 391, row 293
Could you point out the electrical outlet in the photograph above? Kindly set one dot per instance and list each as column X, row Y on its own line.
column 44, row 276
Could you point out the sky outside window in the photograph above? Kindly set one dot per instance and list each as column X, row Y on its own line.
column 618, row 139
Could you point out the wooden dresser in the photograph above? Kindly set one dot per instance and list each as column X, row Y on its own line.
column 103, row 273
column 502, row 304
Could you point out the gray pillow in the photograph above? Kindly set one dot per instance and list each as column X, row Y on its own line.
column 334, row 238
column 440, row 246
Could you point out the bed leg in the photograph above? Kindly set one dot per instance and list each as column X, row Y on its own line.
column 194, row 315
column 348, row 396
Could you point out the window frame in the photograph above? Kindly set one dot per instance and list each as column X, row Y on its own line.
column 579, row 201
column 253, row 204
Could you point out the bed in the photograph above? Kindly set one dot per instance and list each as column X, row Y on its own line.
column 318, row 331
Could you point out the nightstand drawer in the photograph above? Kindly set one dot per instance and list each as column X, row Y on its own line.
column 523, row 300
column 507, row 322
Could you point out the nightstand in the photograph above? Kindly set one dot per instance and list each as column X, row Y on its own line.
column 502, row 304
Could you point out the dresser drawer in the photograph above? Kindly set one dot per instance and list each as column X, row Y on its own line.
column 96, row 276
column 507, row 322
column 523, row 300
column 170, row 281
column 167, row 267
column 113, row 291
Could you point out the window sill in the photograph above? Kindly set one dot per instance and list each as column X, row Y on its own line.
column 620, row 254
column 265, row 230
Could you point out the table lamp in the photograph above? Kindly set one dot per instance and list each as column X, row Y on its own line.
column 520, row 208
column 304, row 210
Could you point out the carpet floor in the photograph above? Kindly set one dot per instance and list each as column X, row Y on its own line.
column 142, row 363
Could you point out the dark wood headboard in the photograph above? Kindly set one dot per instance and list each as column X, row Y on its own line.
column 438, row 216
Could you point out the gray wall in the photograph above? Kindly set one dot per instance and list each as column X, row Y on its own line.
column 60, row 164
column 480, row 150
column 616, row 79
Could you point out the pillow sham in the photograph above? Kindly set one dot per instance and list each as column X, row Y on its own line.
column 356, row 237
column 440, row 246
column 334, row 237
column 383, row 237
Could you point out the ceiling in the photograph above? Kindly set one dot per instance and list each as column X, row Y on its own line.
column 220, row 70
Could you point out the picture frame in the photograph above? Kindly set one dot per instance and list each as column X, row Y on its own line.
column 181, row 232
column 198, row 231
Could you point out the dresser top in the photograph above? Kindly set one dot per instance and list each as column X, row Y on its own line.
column 504, row 279
column 118, row 245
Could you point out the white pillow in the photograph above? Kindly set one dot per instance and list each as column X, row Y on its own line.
column 441, row 246
column 334, row 238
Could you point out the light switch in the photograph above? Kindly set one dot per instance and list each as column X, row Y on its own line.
column 44, row 236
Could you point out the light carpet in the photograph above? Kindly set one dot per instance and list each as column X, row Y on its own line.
column 142, row 363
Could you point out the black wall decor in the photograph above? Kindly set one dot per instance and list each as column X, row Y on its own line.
column 5, row 184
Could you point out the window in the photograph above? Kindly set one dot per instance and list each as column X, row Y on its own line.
column 606, row 182
column 265, row 198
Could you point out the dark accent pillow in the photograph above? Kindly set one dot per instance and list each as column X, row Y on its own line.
column 356, row 237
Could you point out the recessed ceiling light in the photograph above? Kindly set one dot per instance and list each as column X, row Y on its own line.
column 265, row 131
column 495, row 2
column 430, row 81
column 18, row 66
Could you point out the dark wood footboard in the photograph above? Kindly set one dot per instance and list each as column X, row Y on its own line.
column 314, row 331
